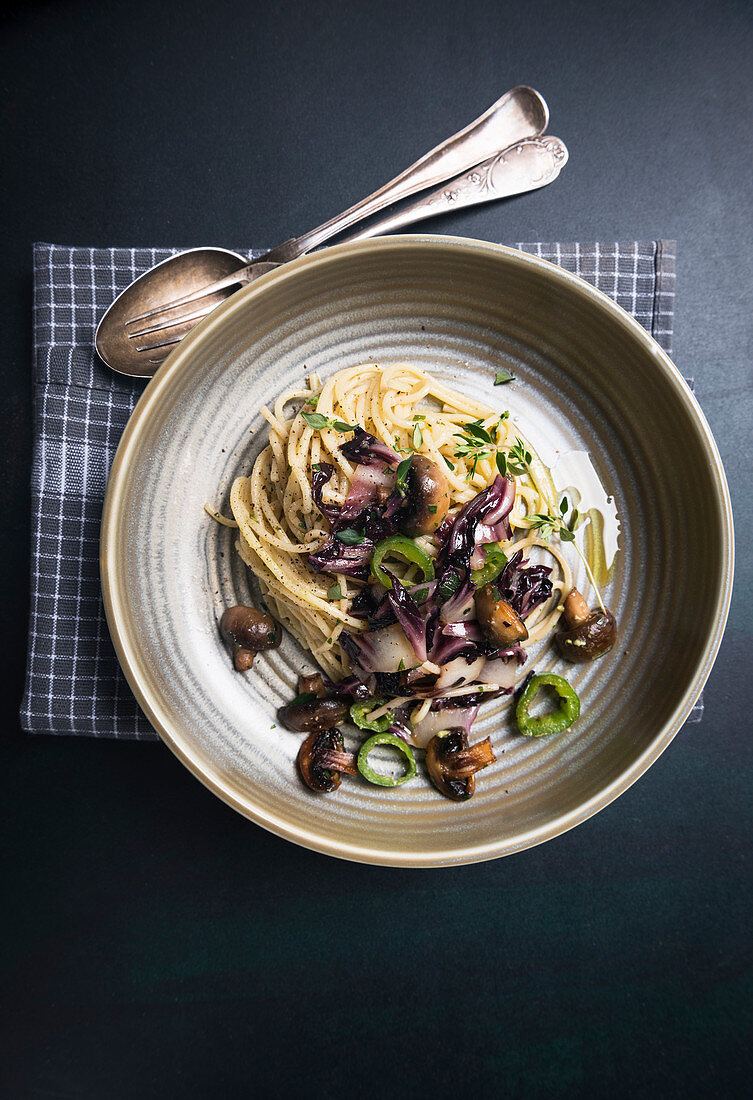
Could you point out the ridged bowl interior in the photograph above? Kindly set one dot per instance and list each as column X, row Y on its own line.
column 588, row 378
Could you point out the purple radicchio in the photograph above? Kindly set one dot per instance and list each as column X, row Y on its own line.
column 365, row 450
column 490, row 507
column 523, row 586
column 412, row 621
column 340, row 557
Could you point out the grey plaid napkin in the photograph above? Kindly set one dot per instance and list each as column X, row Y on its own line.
column 74, row 684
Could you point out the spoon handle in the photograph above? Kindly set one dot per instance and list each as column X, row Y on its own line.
column 525, row 166
column 518, row 114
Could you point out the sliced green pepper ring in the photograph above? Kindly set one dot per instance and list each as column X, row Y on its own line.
column 556, row 721
column 377, row 777
column 495, row 560
column 404, row 548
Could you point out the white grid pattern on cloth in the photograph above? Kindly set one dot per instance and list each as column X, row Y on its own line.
column 74, row 684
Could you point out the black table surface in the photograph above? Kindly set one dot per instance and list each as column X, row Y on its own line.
column 155, row 942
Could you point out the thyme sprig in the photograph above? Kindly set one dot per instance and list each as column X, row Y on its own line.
column 548, row 525
column 476, row 442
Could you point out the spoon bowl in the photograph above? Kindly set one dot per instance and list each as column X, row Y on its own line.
column 519, row 114
column 181, row 274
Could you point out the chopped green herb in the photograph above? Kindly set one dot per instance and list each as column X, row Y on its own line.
column 503, row 376
column 401, row 666
column 419, row 416
column 420, row 596
column 502, row 463
column 418, row 437
column 401, row 478
column 433, row 509
column 448, row 586
column 350, row 537
column 319, row 423
column 450, row 464
column 519, row 458
column 313, row 400
column 305, row 697
column 316, row 421
column 335, row 592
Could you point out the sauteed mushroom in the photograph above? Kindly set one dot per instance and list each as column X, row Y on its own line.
column 428, row 497
column 248, row 632
column 313, row 684
column 452, row 764
column 314, row 715
column 589, row 634
column 498, row 620
column 321, row 759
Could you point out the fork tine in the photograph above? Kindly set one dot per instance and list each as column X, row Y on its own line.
column 212, row 288
column 161, row 344
column 195, row 316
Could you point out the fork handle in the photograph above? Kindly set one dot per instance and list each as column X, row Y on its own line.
column 520, row 113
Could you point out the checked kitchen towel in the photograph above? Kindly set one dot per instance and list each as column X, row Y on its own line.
column 74, row 684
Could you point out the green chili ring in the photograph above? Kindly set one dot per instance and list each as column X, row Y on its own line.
column 404, row 548
column 386, row 780
column 492, row 567
column 544, row 725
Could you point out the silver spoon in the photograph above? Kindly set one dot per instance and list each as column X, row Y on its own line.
column 208, row 272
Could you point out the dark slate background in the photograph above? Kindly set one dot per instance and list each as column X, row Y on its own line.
column 154, row 942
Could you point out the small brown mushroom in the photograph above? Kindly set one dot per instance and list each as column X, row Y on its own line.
column 500, row 623
column 589, row 634
column 314, row 715
column 248, row 632
column 452, row 764
column 322, row 757
column 427, row 499
column 313, row 684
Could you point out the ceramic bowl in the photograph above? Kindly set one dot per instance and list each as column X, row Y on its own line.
column 589, row 378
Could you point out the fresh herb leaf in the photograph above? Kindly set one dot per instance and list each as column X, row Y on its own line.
column 313, row 400
column 433, row 509
column 316, row 421
column 563, row 505
column 418, row 437
column 450, row 464
column 306, row 697
column 503, row 376
column 401, row 477
column 519, row 458
column 421, row 595
column 350, row 537
column 319, row 422
column 502, row 463
column 335, row 592
column 448, row 586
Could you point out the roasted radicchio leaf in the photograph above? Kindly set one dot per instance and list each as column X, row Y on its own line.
column 490, row 507
column 523, row 586
column 366, row 449
column 323, row 471
column 410, row 618
column 338, row 557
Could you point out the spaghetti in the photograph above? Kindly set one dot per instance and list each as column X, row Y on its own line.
column 280, row 523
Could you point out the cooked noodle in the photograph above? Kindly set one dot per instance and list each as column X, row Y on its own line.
column 279, row 523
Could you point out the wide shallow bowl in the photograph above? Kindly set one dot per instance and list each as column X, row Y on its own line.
column 588, row 378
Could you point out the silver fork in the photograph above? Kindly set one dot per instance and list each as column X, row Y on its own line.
column 484, row 161
column 524, row 166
